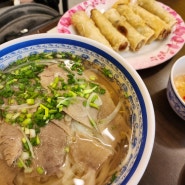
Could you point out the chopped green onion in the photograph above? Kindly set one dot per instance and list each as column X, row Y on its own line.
column 30, row 101
column 23, row 140
column 46, row 111
column 27, row 131
column 88, row 91
column 107, row 73
column 63, row 101
column 1, row 86
column 28, row 144
column 40, row 170
column 114, row 176
column 25, row 155
column 66, row 149
column 21, row 164
column 54, row 83
column 93, row 123
column 32, row 133
column 94, row 105
column 37, row 140
column 26, row 122
column 92, row 78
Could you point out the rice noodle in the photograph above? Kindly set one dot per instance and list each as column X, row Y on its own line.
column 90, row 134
column 90, row 177
column 68, row 174
column 105, row 171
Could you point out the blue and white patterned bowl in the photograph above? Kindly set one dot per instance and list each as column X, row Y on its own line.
column 127, row 78
column 176, row 102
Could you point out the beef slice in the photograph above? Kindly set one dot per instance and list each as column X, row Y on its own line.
column 50, row 154
column 10, row 143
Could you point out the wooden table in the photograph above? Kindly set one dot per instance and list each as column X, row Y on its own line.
column 167, row 163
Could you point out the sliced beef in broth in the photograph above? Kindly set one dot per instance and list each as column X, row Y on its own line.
column 121, row 129
column 80, row 113
column 89, row 153
column 10, row 143
column 50, row 154
column 88, row 143
column 49, row 74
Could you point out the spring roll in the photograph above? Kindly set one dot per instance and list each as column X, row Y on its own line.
column 120, row 2
column 117, row 40
column 86, row 27
column 137, row 22
column 159, row 26
column 135, row 39
column 155, row 8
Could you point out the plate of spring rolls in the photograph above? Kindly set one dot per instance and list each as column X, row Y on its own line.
column 145, row 32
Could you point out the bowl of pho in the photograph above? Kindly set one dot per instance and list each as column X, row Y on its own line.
column 73, row 112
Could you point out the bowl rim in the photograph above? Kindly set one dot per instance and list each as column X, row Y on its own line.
column 172, row 77
column 150, row 135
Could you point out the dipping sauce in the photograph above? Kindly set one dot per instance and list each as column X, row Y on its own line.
column 180, row 85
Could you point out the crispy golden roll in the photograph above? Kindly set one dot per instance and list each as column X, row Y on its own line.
column 120, row 2
column 137, row 22
column 135, row 39
column 117, row 40
column 155, row 8
column 159, row 26
column 86, row 27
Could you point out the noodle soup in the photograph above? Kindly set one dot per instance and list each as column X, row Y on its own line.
column 64, row 119
column 105, row 88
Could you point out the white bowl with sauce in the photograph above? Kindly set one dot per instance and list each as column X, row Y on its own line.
column 142, row 118
column 175, row 99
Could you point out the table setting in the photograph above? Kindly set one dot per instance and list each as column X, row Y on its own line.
column 143, row 76
column 166, row 165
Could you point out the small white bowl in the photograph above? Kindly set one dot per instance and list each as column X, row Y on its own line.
column 175, row 101
column 143, row 123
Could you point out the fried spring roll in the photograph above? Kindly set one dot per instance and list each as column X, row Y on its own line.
column 135, row 39
column 116, row 39
column 137, row 22
column 159, row 26
column 120, row 2
column 86, row 27
column 155, row 8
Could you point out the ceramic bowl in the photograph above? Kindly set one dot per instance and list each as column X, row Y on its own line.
column 175, row 101
column 143, row 123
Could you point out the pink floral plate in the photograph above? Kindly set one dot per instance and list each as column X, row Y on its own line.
column 148, row 56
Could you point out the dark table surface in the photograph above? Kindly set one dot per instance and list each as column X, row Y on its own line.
column 167, row 163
